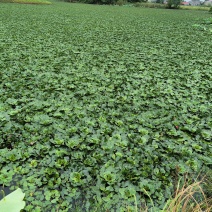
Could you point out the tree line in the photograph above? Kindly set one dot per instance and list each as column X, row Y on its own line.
column 169, row 3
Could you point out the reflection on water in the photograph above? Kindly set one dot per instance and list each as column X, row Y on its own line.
column 5, row 192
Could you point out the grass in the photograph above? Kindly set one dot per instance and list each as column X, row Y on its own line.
column 26, row 1
column 188, row 197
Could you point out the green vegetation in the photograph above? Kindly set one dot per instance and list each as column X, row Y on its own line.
column 173, row 4
column 204, row 25
column 26, row 1
column 103, row 107
column 111, row 2
column 157, row 5
column 194, row 8
column 150, row 5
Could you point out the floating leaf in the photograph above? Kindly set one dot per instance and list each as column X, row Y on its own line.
column 13, row 202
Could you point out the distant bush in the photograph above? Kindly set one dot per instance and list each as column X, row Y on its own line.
column 210, row 11
column 120, row 2
column 111, row 2
column 173, row 4
column 149, row 5
column 97, row 1
column 137, row 1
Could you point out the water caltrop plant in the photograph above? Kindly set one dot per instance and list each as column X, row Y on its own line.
column 101, row 106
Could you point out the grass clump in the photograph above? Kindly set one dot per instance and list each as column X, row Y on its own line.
column 189, row 198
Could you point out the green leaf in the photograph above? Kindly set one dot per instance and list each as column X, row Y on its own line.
column 13, row 202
